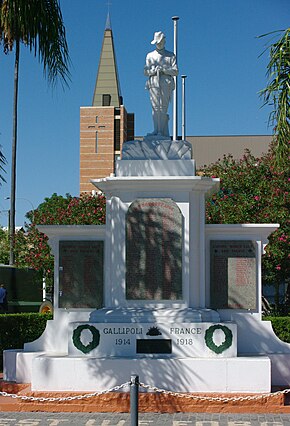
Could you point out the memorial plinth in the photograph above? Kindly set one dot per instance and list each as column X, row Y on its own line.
column 155, row 241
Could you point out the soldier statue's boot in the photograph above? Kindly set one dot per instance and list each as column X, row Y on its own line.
column 155, row 124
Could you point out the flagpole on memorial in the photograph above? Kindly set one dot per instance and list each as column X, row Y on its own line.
column 174, row 106
column 183, row 123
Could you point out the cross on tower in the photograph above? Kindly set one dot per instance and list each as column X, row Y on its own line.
column 109, row 4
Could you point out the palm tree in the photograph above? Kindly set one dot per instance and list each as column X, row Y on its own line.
column 277, row 94
column 37, row 24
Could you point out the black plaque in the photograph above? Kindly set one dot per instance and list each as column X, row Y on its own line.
column 156, row 346
column 233, row 274
column 154, row 250
column 81, row 274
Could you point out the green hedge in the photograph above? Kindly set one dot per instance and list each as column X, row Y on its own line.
column 17, row 329
column 281, row 326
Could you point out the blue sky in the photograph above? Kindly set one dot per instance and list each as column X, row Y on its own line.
column 217, row 50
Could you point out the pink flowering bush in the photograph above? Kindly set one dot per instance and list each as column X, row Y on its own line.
column 32, row 249
column 68, row 210
column 255, row 190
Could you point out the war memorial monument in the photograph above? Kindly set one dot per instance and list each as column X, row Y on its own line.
column 156, row 291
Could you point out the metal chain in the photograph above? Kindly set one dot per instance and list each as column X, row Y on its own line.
column 148, row 387
column 213, row 398
column 68, row 398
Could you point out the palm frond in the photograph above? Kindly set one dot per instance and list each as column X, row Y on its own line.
column 39, row 25
column 277, row 93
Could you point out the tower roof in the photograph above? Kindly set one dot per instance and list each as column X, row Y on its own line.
column 107, row 90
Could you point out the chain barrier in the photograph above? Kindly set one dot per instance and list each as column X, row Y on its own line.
column 213, row 398
column 68, row 398
column 150, row 388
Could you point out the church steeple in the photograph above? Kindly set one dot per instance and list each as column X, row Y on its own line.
column 107, row 90
column 105, row 125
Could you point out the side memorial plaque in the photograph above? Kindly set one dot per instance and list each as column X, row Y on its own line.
column 233, row 274
column 154, row 250
column 81, row 274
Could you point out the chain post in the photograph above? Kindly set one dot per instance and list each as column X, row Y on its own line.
column 134, row 389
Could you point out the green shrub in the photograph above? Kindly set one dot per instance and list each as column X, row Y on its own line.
column 17, row 329
column 281, row 327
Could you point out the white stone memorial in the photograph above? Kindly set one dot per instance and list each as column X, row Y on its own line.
column 156, row 292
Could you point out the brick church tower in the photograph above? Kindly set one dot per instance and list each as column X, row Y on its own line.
column 105, row 125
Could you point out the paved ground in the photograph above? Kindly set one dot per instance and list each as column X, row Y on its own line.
column 146, row 419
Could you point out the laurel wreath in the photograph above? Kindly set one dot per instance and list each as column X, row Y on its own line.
column 209, row 338
column 76, row 338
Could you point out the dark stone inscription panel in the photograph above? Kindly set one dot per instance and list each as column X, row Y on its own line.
column 156, row 346
column 81, row 274
column 154, row 250
column 233, row 274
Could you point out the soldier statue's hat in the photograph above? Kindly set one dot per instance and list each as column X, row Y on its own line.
column 158, row 36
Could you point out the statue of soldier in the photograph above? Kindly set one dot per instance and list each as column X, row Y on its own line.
column 160, row 67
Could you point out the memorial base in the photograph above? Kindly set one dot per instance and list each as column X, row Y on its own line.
column 229, row 375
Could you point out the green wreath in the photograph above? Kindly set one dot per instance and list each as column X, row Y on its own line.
column 209, row 338
column 76, row 338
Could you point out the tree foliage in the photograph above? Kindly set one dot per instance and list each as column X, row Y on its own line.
column 38, row 24
column 68, row 210
column 4, row 247
column 255, row 190
column 277, row 93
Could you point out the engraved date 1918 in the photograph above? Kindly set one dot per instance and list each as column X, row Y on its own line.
column 184, row 342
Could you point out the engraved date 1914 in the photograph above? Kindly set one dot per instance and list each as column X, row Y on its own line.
column 119, row 342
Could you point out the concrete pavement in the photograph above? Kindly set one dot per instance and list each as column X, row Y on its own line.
column 145, row 419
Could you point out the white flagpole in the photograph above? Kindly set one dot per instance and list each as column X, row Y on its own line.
column 183, row 108
column 174, row 109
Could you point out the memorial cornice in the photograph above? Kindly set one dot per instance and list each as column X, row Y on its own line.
column 158, row 183
column 245, row 229
column 92, row 231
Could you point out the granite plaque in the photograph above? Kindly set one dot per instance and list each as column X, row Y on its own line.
column 233, row 274
column 154, row 250
column 157, row 346
column 81, row 274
